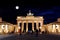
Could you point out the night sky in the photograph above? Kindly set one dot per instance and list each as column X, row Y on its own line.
column 50, row 10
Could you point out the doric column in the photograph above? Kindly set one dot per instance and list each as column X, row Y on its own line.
column 22, row 26
column 18, row 24
column 26, row 26
column 37, row 25
column 33, row 26
column 41, row 23
column 54, row 29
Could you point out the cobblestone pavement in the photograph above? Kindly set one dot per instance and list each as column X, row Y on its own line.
column 31, row 37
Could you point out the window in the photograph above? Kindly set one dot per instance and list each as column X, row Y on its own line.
column 57, row 26
column 3, row 26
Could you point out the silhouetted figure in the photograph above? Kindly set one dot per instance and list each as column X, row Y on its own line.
column 43, row 32
column 46, row 32
column 20, row 31
column 23, row 31
column 32, row 32
column 36, row 32
column 39, row 30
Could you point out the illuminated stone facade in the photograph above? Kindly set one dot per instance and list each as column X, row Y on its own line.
column 6, row 27
column 29, row 19
column 49, row 28
column 0, row 19
column 53, row 27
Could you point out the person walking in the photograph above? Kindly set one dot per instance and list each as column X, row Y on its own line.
column 36, row 32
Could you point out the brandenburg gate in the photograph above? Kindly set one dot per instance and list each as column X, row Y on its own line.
column 29, row 19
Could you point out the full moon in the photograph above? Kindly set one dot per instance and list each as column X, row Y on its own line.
column 17, row 7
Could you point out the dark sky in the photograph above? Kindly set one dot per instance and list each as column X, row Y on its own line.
column 49, row 9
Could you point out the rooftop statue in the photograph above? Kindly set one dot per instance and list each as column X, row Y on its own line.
column 29, row 14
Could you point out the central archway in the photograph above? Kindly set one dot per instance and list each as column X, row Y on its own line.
column 29, row 26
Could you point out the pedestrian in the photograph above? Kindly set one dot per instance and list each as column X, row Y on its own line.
column 20, row 31
column 32, row 32
column 36, row 32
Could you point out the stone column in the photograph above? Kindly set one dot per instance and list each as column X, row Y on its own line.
column 37, row 26
column 26, row 26
column 33, row 26
column 19, row 24
column 22, row 29
column 54, row 29
column 41, row 23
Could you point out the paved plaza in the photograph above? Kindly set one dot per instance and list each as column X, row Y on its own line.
column 30, row 37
